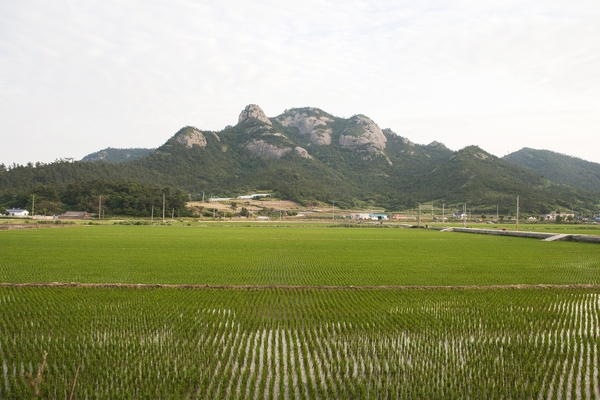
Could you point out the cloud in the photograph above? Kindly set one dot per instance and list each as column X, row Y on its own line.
column 78, row 77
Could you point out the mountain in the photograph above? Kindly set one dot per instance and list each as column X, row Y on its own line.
column 307, row 154
column 111, row 154
column 559, row 168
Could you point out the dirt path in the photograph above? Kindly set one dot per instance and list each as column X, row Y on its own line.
column 288, row 287
column 10, row 227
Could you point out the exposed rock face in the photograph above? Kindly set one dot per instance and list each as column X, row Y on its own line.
column 101, row 155
column 321, row 136
column 363, row 131
column 192, row 137
column 259, row 129
column 265, row 131
column 310, row 124
column 260, row 148
column 302, row 153
column 437, row 145
column 481, row 156
column 111, row 154
column 390, row 133
column 408, row 142
column 253, row 111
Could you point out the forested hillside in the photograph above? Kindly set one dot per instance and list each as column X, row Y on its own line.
column 559, row 168
column 307, row 154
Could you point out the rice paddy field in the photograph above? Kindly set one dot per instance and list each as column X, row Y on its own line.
column 296, row 312
column 317, row 256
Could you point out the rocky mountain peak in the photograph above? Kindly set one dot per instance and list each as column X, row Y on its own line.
column 310, row 122
column 190, row 137
column 361, row 131
column 437, row 144
column 364, row 134
column 253, row 111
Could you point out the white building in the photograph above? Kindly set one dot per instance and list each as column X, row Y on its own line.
column 379, row 217
column 360, row 216
column 552, row 216
column 251, row 196
column 17, row 212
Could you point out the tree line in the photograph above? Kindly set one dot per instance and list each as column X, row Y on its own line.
column 118, row 198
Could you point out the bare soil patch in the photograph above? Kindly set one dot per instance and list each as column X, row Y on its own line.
column 10, row 227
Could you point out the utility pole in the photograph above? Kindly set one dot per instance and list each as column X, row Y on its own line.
column 443, row 215
column 517, row 212
column 172, row 214
column 419, row 225
column 203, row 196
column 465, row 215
column 100, row 207
column 152, row 215
column 333, row 212
column 33, row 206
column 163, row 207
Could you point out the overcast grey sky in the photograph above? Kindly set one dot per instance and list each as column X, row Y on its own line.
column 79, row 76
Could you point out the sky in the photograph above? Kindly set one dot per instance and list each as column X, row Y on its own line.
column 79, row 76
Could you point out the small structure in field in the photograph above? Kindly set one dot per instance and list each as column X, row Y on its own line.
column 360, row 216
column 379, row 217
column 44, row 217
column 553, row 215
column 74, row 215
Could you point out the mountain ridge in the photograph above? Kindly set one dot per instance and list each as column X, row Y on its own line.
column 308, row 154
column 560, row 168
column 111, row 154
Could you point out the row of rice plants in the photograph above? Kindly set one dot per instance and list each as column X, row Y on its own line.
column 167, row 343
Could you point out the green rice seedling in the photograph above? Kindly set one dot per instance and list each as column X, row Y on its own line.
column 313, row 257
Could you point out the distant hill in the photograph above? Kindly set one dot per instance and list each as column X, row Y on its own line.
column 559, row 168
column 307, row 154
column 111, row 154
